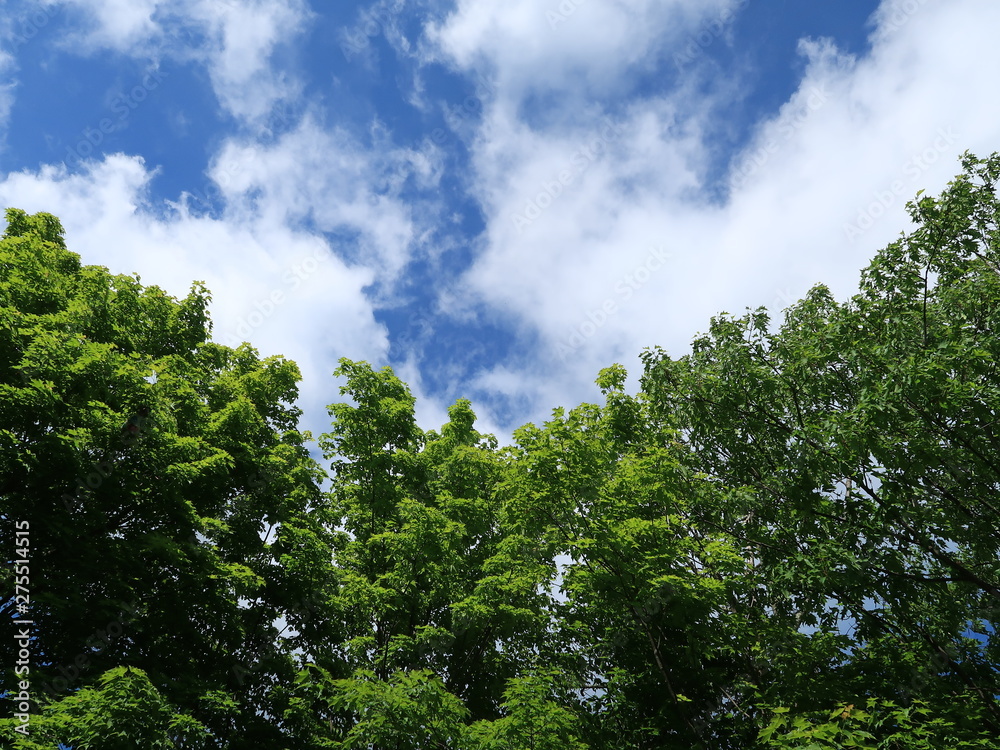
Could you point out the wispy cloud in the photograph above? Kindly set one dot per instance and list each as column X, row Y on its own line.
column 235, row 41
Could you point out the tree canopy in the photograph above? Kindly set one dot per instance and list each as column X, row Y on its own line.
column 786, row 538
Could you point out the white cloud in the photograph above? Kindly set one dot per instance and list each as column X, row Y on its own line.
column 242, row 39
column 276, row 280
column 234, row 39
column 381, row 18
column 563, row 44
column 329, row 179
column 859, row 137
column 122, row 25
column 16, row 30
column 629, row 250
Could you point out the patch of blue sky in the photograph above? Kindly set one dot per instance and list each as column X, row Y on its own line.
column 759, row 51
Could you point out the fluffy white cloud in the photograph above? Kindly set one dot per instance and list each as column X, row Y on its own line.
column 329, row 179
column 563, row 44
column 602, row 235
column 242, row 37
column 122, row 25
column 574, row 223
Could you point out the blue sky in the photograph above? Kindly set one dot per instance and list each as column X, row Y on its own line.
column 497, row 197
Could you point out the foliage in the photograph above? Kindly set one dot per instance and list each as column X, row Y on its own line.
column 429, row 585
column 163, row 483
column 865, row 433
column 124, row 711
column 532, row 721
column 881, row 725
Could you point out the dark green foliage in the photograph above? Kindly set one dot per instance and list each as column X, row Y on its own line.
column 866, row 434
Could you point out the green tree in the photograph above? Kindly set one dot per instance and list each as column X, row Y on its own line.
column 866, row 436
column 122, row 711
column 437, row 610
column 533, row 720
column 170, row 499
column 646, row 632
